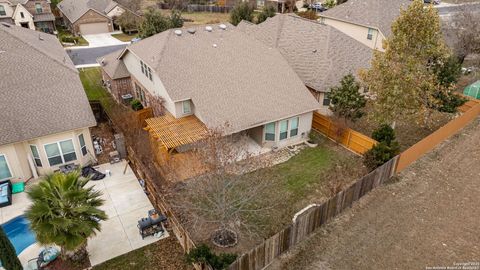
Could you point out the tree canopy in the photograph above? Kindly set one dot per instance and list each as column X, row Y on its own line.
column 267, row 12
column 155, row 22
column 403, row 78
column 346, row 100
column 242, row 11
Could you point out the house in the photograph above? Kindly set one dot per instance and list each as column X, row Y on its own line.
column 86, row 17
column 116, row 77
column 368, row 21
column 45, row 112
column 32, row 14
column 320, row 54
column 217, row 76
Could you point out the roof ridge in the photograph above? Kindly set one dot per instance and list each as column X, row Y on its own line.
column 40, row 51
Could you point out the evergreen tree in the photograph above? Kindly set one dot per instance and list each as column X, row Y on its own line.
column 346, row 100
column 8, row 257
column 242, row 11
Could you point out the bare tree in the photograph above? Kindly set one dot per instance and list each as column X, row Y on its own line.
column 223, row 201
column 462, row 32
column 157, row 104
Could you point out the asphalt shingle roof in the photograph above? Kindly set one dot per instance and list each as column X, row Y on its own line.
column 114, row 67
column 74, row 9
column 230, row 76
column 41, row 92
column 319, row 54
column 374, row 13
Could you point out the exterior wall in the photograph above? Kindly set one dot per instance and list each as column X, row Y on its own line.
column 116, row 12
column 320, row 97
column 358, row 32
column 304, row 127
column 47, row 27
column 154, row 87
column 8, row 10
column 90, row 17
column 19, row 153
column 28, row 18
column 179, row 109
column 117, row 87
column 30, row 6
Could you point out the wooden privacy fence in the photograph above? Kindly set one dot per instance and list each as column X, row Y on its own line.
column 351, row 139
column 307, row 222
column 161, row 204
column 428, row 143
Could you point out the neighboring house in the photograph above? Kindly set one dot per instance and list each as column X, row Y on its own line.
column 45, row 112
column 116, row 77
column 84, row 17
column 32, row 14
column 320, row 54
column 211, row 76
column 368, row 21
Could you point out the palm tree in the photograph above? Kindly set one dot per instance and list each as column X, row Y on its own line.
column 65, row 213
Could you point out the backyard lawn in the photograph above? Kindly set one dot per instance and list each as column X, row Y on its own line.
column 92, row 83
column 125, row 37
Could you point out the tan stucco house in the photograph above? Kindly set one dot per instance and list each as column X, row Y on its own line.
column 32, row 14
column 45, row 113
column 86, row 17
column 320, row 54
column 367, row 21
column 217, row 76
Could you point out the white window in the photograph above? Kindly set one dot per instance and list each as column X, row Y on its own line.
column 36, row 155
column 326, row 100
column 83, row 146
column 186, row 107
column 370, row 34
column 2, row 11
column 294, row 127
column 270, row 132
column 283, row 129
column 143, row 69
column 60, row 152
column 4, row 169
column 38, row 8
column 22, row 15
column 149, row 73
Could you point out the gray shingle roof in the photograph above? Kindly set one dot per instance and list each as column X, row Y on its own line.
column 43, row 17
column 74, row 9
column 319, row 54
column 229, row 76
column 374, row 13
column 41, row 93
column 114, row 67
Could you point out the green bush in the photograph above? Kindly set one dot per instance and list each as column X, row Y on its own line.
column 449, row 102
column 136, row 105
column 380, row 154
column 203, row 254
column 384, row 133
column 242, row 11
column 267, row 12
column 70, row 39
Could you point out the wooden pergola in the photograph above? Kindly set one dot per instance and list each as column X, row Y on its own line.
column 173, row 132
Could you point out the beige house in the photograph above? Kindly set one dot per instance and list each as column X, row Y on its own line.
column 211, row 76
column 320, row 54
column 367, row 21
column 86, row 17
column 45, row 113
column 35, row 15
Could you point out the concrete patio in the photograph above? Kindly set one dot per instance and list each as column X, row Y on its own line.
column 125, row 203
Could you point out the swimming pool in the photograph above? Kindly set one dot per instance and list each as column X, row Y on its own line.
column 19, row 233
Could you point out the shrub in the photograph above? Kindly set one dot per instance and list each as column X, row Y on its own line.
column 449, row 102
column 203, row 254
column 242, row 11
column 136, row 105
column 70, row 39
column 267, row 12
column 311, row 15
column 380, row 154
column 384, row 133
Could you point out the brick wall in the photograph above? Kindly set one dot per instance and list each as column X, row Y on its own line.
column 30, row 6
column 118, row 87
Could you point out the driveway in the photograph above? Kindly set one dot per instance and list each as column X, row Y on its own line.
column 87, row 56
column 102, row 40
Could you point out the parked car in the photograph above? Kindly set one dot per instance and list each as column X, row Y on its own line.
column 435, row 2
column 318, row 7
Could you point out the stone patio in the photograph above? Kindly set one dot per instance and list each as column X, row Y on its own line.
column 125, row 203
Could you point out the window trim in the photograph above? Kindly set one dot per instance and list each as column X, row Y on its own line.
column 3, row 12
column 189, row 107
column 35, row 158
column 36, row 8
column 84, row 144
column 22, row 15
column 290, row 127
column 8, row 167
column 61, row 152
column 326, row 98
column 274, row 132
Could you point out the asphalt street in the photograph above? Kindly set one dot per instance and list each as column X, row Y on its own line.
column 451, row 10
column 88, row 56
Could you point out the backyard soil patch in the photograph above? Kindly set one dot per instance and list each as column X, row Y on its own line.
column 104, row 132
column 60, row 264
column 427, row 218
column 166, row 254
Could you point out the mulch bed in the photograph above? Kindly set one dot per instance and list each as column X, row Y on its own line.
column 60, row 264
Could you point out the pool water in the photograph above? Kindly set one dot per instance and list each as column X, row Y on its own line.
column 19, row 233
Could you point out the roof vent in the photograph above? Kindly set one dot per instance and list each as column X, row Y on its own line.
column 40, row 37
column 214, row 45
column 208, row 28
column 315, row 50
column 191, row 31
column 222, row 26
column 178, row 32
column 6, row 24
